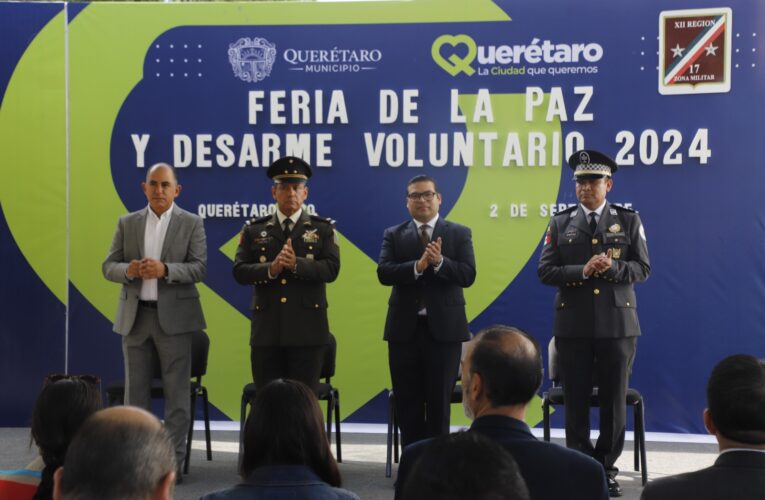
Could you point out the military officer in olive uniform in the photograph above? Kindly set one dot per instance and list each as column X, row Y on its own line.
column 289, row 257
column 594, row 252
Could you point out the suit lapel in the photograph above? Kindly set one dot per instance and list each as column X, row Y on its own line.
column 413, row 237
column 140, row 230
column 439, row 230
column 606, row 219
column 580, row 220
column 172, row 230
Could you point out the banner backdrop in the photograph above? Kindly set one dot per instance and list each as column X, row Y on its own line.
column 489, row 98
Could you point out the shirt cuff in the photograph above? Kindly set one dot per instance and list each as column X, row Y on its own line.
column 416, row 274
column 438, row 267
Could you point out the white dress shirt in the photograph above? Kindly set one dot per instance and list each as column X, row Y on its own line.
column 153, row 239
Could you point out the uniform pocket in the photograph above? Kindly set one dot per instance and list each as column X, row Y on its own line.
column 314, row 303
column 625, row 297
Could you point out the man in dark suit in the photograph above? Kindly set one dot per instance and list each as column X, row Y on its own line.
column 289, row 257
column 594, row 252
column 158, row 254
column 428, row 261
column 736, row 398
column 501, row 373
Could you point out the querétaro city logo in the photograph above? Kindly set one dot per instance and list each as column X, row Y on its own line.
column 460, row 53
column 332, row 60
column 694, row 51
column 252, row 58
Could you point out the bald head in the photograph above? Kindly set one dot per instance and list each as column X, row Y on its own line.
column 159, row 166
column 509, row 363
column 119, row 453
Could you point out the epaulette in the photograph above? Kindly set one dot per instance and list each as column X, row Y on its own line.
column 623, row 209
column 256, row 220
column 568, row 210
column 326, row 220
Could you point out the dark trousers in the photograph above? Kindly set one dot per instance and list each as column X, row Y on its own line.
column 423, row 372
column 606, row 363
column 297, row 363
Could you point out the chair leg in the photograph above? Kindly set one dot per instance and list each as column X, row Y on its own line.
column 395, row 436
column 636, row 426
column 242, row 417
column 206, row 408
column 330, row 407
column 337, row 426
column 191, row 431
column 643, row 461
column 546, row 416
column 389, row 447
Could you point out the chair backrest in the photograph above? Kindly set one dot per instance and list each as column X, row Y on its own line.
column 328, row 364
column 200, row 348
column 552, row 362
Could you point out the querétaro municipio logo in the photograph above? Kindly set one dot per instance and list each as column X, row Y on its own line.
column 252, row 59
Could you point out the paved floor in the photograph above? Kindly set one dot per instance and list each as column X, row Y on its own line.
column 363, row 466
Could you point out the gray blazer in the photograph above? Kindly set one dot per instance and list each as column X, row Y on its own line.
column 184, row 252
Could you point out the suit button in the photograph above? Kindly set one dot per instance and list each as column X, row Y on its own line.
column 316, row 306
column 257, row 308
column 284, row 281
column 562, row 304
column 594, row 241
column 283, row 300
column 262, row 249
column 628, row 304
column 596, row 292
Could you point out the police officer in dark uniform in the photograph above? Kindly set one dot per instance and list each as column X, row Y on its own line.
column 288, row 257
column 594, row 252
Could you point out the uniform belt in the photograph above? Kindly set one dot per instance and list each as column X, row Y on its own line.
column 148, row 303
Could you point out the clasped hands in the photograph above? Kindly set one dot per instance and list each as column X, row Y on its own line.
column 598, row 264
column 146, row 268
column 431, row 256
column 286, row 259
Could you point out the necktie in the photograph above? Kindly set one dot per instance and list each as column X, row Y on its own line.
column 424, row 236
column 593, row 222
column 287, row 229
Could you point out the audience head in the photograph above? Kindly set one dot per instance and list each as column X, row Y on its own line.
column 286, row 427
column 736, row 399
column 64, row 403
column 120, row 453
column 502, row 368
column 465, row 465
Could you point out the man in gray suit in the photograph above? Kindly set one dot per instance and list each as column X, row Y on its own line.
column 736, row 398
column 158, row 254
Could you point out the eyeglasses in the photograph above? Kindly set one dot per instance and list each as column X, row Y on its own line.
column 55, row 377
column 426, row 195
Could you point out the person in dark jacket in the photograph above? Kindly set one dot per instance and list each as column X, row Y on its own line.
column 286, row 452
column 501, row 374
column 736, row 398
column 594, row 253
